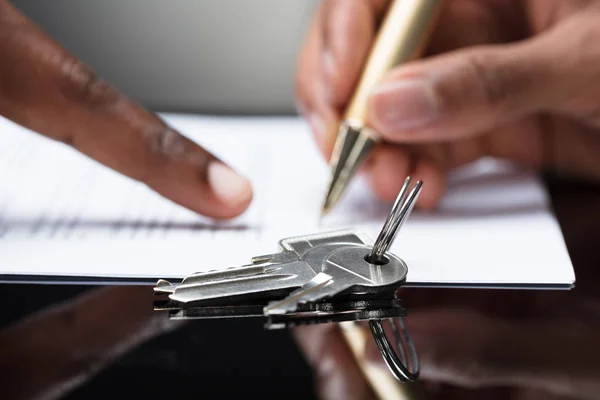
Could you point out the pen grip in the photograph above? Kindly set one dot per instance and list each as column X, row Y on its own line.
column 402, row 37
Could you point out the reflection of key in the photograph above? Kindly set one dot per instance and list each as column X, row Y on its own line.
column 299, row 264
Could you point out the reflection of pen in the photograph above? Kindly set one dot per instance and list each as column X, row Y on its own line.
column 384, row 385
column 402, row 37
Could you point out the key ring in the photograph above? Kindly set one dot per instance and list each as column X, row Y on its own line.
column 399, row 366
column 400, row 211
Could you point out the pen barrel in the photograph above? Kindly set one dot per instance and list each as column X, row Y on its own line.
column 402, row 37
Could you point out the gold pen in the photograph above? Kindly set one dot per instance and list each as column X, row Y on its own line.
column 383, row 384
column 402, row 37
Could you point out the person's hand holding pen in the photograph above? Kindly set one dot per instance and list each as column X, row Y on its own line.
column 517, row 80
column 46, row 89
column 510, row 79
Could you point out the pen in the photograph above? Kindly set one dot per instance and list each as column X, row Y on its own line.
column 402, row 37
column 382, row 383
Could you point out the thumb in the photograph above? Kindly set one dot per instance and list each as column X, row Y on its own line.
column 474, row 90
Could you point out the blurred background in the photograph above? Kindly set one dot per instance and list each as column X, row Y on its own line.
column 208, row 56
column 216, row 56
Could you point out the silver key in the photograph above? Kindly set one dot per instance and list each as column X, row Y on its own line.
column 299, row 264
column 338, row 266
column 313, row 267
column 265, row 273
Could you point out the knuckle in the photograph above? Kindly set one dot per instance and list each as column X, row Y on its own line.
column 159, row 146
column 80, row 84
column 166, row 147
column 167, row 141
column 493, row 82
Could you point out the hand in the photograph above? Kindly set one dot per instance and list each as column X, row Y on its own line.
column 47, row 90
column 509, row 79
column 504, row 78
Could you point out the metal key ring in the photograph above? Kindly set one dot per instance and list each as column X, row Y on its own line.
column 397, row 366
column 401, row 209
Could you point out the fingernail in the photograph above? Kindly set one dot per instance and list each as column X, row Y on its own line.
column 230, row 187
column 328, row 75
column 405, row 104
column 317, row 125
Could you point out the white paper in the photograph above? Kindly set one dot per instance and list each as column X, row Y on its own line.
column 63, row 215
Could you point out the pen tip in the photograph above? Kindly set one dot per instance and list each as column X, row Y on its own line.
column 351, row 148
column 329, row 202
column 325, row 210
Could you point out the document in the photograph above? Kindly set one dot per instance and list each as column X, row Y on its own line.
column 65, row 218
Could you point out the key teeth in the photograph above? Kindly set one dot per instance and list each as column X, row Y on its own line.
column 290, row 303
column 261, row 259
column 254, row 260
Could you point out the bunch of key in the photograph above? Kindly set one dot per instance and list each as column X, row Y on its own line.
column 328, row 277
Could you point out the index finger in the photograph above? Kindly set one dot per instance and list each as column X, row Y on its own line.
column 334, row 50
column 47, row 90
